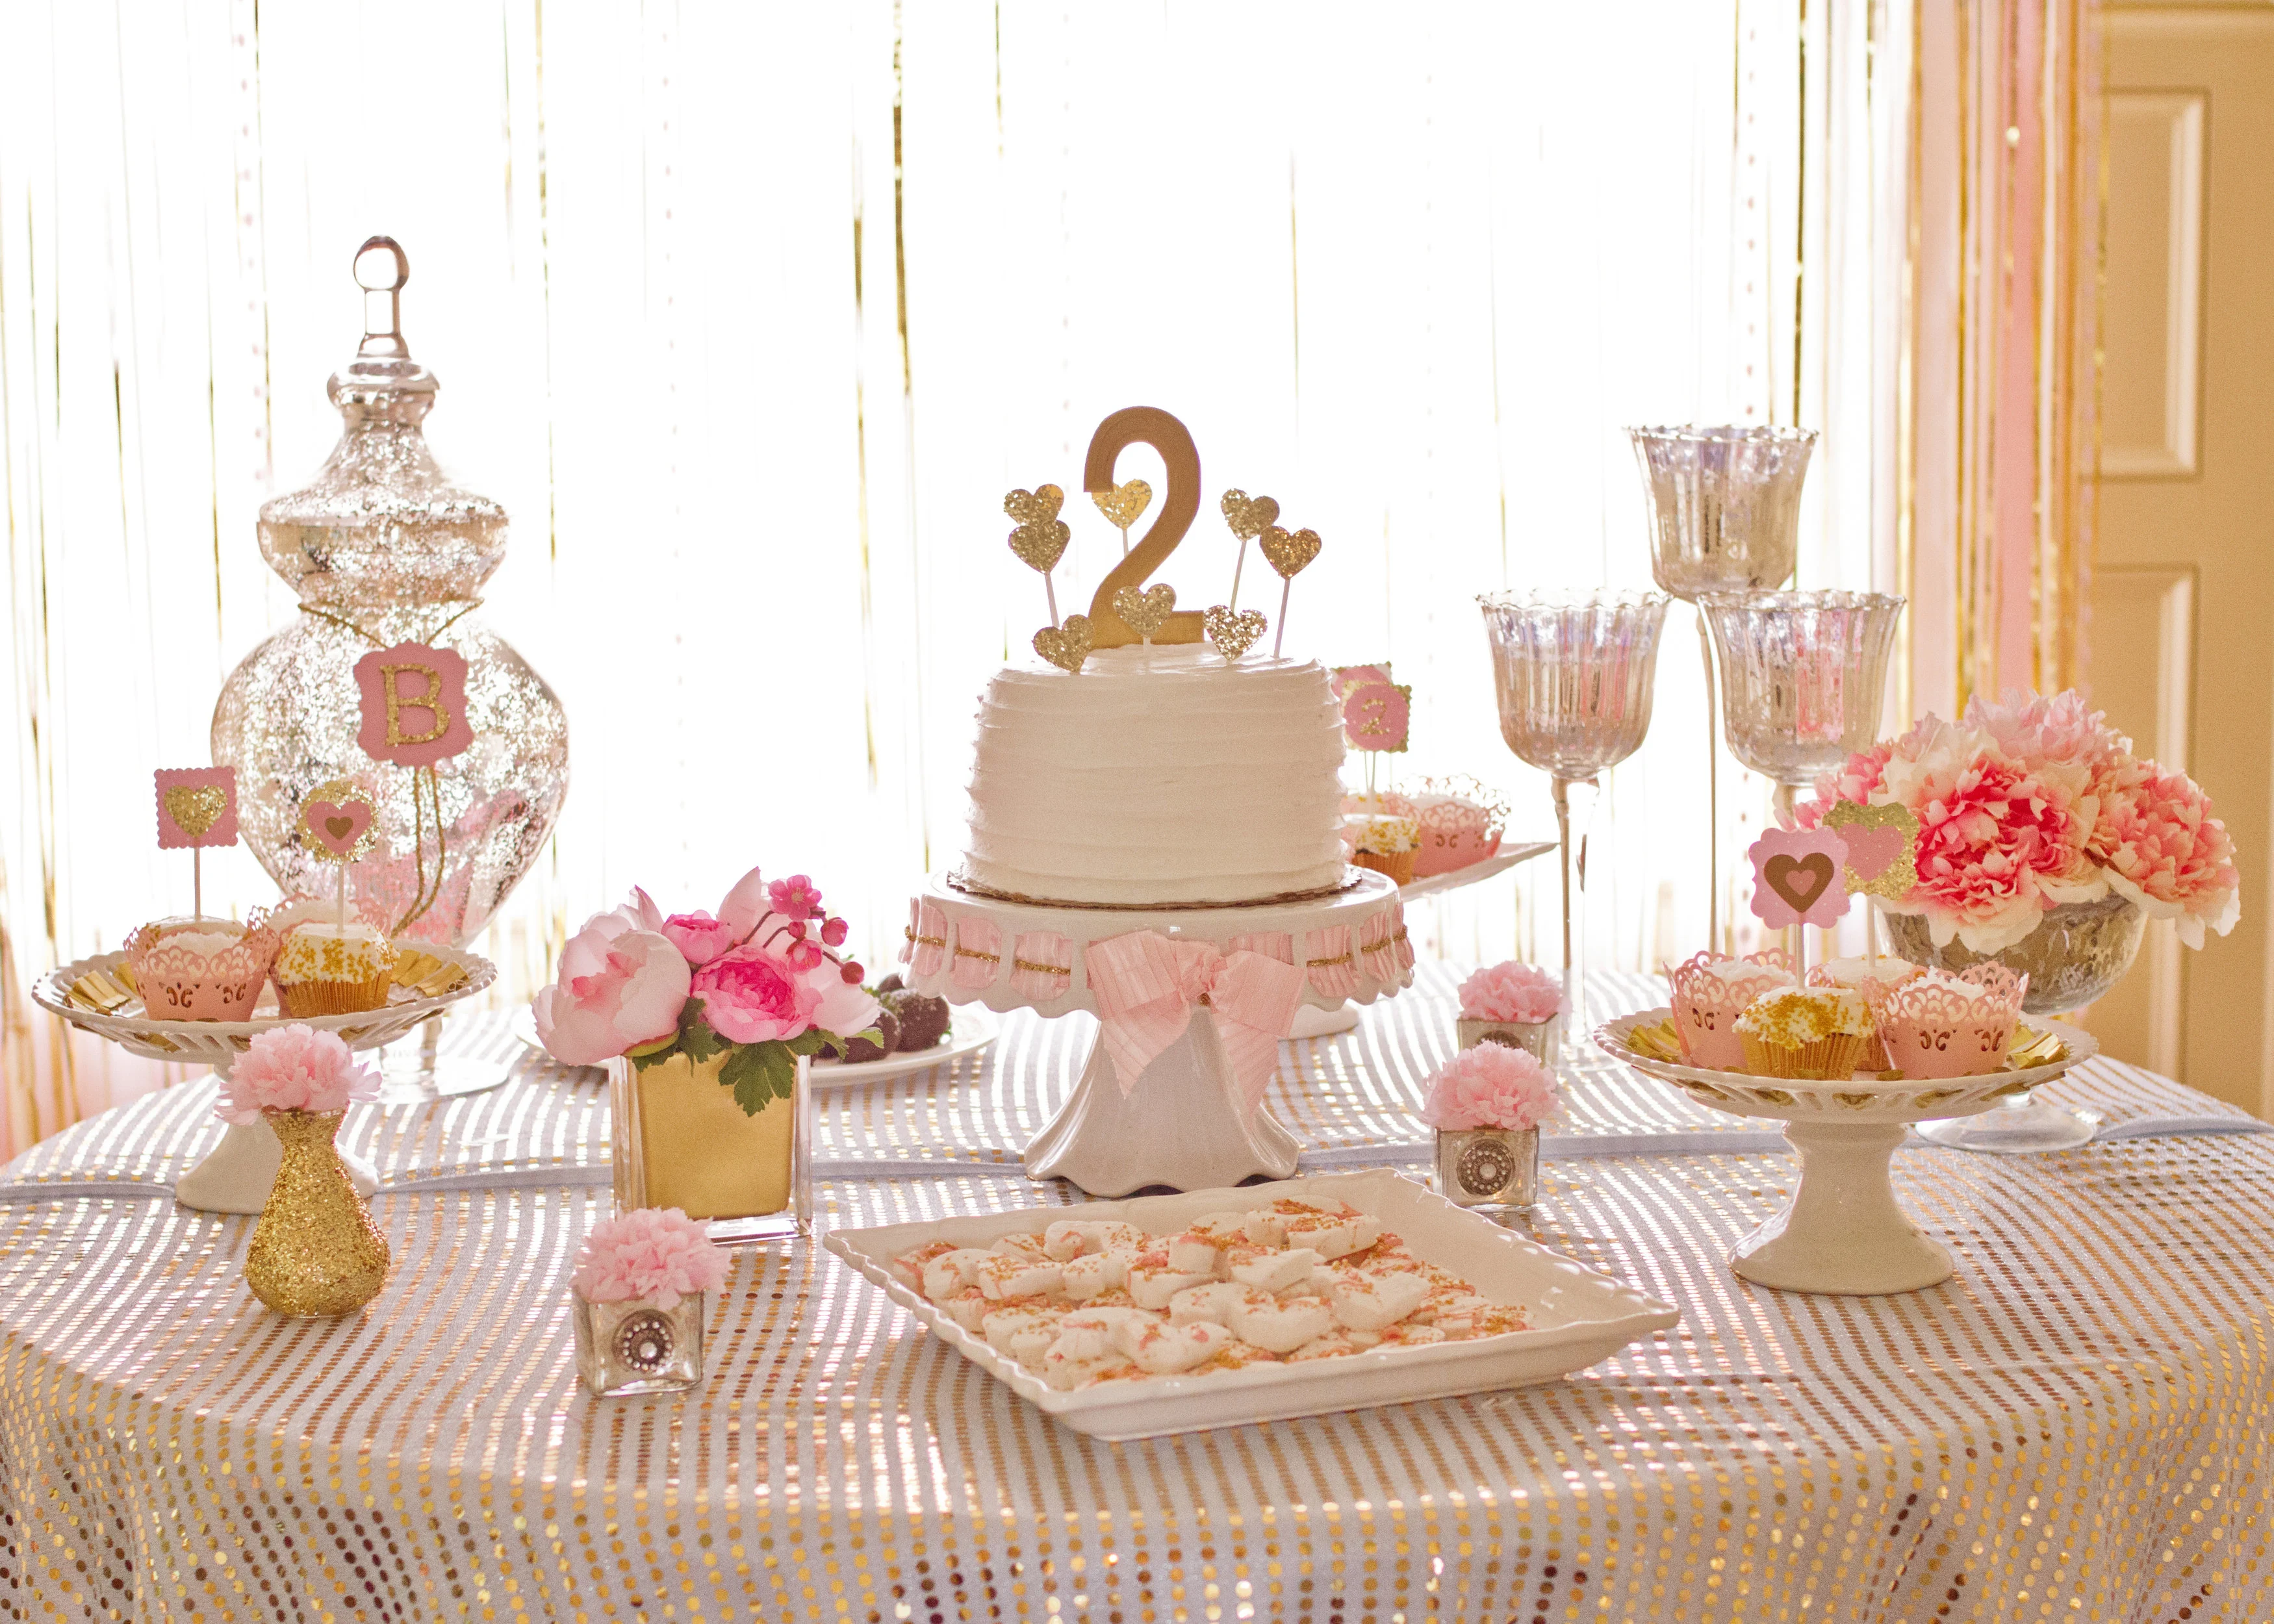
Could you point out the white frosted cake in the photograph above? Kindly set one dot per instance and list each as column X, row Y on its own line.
column 1157, row 777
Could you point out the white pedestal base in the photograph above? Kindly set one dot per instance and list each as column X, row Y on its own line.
column 1179, row 1126
column 236, row 1176
column 1312, row 1022
column 1843, row 1232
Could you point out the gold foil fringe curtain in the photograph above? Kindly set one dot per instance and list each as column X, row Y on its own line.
column 2003, row 298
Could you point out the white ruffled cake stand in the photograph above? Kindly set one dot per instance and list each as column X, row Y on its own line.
column 1842, row 1232
column 235, row 1177
column 1181, row 1125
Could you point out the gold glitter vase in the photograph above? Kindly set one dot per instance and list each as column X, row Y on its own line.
column 316, row 1251
column 680, row 1140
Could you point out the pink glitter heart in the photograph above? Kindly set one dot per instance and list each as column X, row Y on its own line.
column 1870, row 851
column 338, row 828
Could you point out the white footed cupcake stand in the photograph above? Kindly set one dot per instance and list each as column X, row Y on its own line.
column 1842, row 1231
column 236, row 1175
column 1183, row 1123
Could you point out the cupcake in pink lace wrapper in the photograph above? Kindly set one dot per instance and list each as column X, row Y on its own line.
column 1853, row 974
column 294, row 1068
column 1938, row 1025
column 1460, row 822
column 1490, row 1086
column 1710, row 991
column 654, row 1254
column 201, row 969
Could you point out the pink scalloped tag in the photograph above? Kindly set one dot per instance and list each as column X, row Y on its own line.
column 1376, row 717
column 1799, row 877
column 197, row 806
column 414, row 704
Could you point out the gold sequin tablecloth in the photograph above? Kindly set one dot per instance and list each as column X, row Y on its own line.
column 2072, row 1428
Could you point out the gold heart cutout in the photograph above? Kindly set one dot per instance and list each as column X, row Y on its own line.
column 1147, row 612
column 1248, row 514
column 1066, row 646
column 1040, row 545
column 1899, row 873
column 1233, row 634
column 1036, row 507
column 1125, row 502
column 196, row 810
column 1799, row 880
column 1287, row 554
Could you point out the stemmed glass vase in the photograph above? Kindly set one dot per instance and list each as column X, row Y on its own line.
column 1724, row 517
column 1574, row 677
column 1803, row 675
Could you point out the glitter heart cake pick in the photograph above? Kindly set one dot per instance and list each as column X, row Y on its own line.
column 197, row 808
column 1248, row 515
column 1066, row 646
column 1041, row 539
column 1232, row 631
column 335, row 824
column 1123, row 505
column 1287, row 554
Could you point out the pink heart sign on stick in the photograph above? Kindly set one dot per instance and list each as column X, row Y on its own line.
column 1797, row 877
column 197, row 807
column 335, row 819
column 1882, row 847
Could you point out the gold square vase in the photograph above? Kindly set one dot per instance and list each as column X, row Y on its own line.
column 680, row 1140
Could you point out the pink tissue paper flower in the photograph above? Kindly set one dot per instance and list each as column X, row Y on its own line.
column 620, row 987
column 655, row 1254
column 1510, row 992
column 293, row 1068
column 1491, row 1086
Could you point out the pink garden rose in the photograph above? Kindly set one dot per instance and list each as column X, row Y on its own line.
column 1491, row 1086
column 655, row 1254
column 751, row 995
column 293, row 1068
column 619, row 987
column 1510, row 992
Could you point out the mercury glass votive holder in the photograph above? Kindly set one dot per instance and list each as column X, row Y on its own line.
column 1489, row 1167
column 1574, row 675
column 1802, row 676
column 1724, row 504
column 1536, row 1038
column 638, row 1346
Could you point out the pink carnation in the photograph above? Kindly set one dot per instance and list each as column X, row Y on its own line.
column 1510, row 992
column 2164, row 850
column 1491, row 1086
column 655, row 1254
column 293, row 1068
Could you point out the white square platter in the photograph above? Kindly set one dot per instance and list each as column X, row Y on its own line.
column 1579, row 1316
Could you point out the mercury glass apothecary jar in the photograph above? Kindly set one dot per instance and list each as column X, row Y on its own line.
column 383, row 549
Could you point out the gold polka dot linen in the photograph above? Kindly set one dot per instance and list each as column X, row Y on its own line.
column 2072, row 1428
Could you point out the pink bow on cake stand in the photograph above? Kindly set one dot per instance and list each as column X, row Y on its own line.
column 1192, row 1002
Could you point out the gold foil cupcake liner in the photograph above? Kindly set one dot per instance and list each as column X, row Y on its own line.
column 1829, row 1059
column 1397, row 865
column 301, row 998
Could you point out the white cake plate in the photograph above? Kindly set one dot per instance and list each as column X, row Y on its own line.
column 235, row 1177
column 1843, row 1232
column 1181, row 1125
column 1320, row 1023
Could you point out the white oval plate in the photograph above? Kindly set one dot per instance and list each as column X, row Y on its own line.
column 972, row 1027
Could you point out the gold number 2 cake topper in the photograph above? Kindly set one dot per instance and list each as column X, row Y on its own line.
column 1147, row 425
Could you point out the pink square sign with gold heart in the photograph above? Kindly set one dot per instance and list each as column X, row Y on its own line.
column 197, row 807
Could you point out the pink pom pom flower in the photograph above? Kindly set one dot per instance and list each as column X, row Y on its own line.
column 655, row 1254
column 1490, row 1086
column 293, row 1068
column 1510, row 992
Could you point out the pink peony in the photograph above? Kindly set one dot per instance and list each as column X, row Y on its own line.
column 2164, row 850
column 2052, row 738
column 1491, row 1086
column 701, row 938
column 1991, row 837
column 655, row 1254
column 293, row 1068
column 1510, row 992
column 619, row 987
column 751, row 995
column 1856, row 780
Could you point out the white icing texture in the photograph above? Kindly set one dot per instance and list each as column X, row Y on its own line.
column 1161, row 777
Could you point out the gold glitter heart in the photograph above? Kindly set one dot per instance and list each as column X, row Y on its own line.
column 1041, row 545
column 195, row 811
column 1896, row 879
column 1036, row 507
column 1248, row 514
column 1066, row 646
column 1288, row 553
column 1125, row 502
column 1232, row 633
column 1147, row 612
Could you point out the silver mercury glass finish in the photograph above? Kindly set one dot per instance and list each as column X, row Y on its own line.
column 2075, row 956
column 1802, row 676
column 1489, row 1167
column 635, row 1346
column 1573, row 676
column 1724, row 517
column 1537, row 1037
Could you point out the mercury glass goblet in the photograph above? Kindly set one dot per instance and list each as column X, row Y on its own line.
column 1802, row 677
column 1573, row 676
column 1725, row 517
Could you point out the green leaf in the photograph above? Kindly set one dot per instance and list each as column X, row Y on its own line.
column 695, row 1036
column 759, row 1074
column 813, row 1042
column 642, row 1058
